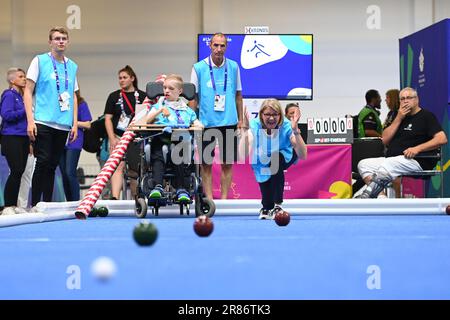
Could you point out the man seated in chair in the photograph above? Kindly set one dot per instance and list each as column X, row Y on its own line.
column 172, row 111
column 414, row 131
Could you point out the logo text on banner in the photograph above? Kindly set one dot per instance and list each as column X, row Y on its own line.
column 256, row 30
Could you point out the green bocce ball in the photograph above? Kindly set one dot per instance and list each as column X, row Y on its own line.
column 93, row 213
column 145, row 234
column 102, row 212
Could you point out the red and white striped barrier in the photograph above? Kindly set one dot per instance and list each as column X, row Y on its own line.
column 103, row 177
column 110, row 166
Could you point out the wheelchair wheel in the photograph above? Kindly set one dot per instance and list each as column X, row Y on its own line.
column 205, row 207
column 145, row 184
column 141, row 208
column 195, row 183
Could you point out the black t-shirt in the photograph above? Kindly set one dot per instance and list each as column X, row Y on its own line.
column 415, row 130
column 113, row 106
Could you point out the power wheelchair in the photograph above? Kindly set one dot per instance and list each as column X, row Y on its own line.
column 145, row 133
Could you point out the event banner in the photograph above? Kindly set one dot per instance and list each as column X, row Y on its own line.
column 425, row 66
column 325, row 174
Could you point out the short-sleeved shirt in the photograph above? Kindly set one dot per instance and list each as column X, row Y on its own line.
column 369, row 119
column 114, row 103
column 194, row 77
column 264, row 146
column 33, row 71
column 83, row 115
column 184, row 116
column 413, row 131
column 226, row 84
column 46, row 107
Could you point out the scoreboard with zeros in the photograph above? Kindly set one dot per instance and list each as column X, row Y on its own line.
column 330, row 130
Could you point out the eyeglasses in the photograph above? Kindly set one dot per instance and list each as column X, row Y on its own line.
column 268, row 115
column 58, row 39
column 407, row 98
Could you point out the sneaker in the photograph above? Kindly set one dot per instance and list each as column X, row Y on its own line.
column 275, row 210
column 8, row 211
column 157, row 193
column 364, row 195
column 264, row 214
column 183, row 195
column 359, row 192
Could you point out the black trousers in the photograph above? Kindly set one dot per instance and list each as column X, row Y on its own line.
column 181, row 170
column 15, row 149
column 48, row 148
column 272, row 190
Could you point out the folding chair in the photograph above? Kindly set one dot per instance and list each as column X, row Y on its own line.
column 427, row 174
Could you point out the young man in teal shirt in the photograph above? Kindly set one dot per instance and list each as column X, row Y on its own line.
column 51, row 79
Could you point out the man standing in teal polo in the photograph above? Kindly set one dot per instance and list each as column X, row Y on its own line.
column 219, row 102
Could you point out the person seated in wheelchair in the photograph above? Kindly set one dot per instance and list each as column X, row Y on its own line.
column 171, row 111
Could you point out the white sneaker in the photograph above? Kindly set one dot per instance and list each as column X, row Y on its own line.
column 275, row 210
column 359, row 192
column 264, row 214
column 8, row 211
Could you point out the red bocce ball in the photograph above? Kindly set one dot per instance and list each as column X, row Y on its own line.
column 282, row 218
column 203, row 226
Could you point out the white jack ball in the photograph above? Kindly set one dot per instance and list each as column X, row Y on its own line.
column 103, row 268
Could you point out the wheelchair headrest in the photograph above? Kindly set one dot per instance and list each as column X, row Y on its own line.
column 155, row 89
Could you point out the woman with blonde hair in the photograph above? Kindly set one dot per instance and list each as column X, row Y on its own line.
column 275, row 144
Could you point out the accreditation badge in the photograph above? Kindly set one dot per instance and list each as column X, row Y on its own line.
column 219, row 102
column 123, row 123
column 64, row 101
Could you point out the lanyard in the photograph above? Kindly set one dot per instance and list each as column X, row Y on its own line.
column 212, row 76
column 177, row 113
column 57, row 76
column 179, row 118
column 124, row 96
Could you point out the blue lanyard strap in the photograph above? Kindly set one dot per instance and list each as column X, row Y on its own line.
column 179, row 118
column 57, row 76
column 212, row 76
column 177, row 113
